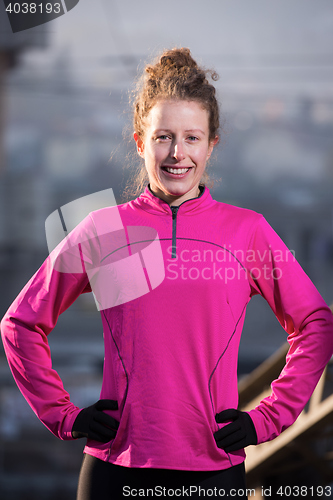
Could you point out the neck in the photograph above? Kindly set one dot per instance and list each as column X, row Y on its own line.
column 175, row 201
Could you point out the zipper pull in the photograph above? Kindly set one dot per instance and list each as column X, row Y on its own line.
column 174, row 212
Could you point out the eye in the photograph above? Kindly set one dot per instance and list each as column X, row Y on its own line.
column 193, row 138
column 162, row 138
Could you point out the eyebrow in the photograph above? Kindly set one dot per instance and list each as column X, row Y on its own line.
column 196, row 130
column 170, row 131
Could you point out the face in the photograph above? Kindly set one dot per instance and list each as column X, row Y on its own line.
column 175, row 148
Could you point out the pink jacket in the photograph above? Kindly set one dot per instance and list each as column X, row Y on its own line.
column 171, row 345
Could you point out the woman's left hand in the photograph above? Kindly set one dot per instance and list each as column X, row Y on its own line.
column 93, row 423
column 236, row 435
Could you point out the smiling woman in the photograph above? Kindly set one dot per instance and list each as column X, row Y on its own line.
column 167, row 415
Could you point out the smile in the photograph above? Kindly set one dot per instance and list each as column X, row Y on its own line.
column 177, row 171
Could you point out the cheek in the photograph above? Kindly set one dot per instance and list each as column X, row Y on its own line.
column 201, row 157
column 157, row 154
column 152, row 160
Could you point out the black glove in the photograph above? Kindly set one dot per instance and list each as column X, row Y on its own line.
column 236, row 435
column 92, row 423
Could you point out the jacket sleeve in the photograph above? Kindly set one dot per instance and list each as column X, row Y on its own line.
column 29, row 320
column 276, row 275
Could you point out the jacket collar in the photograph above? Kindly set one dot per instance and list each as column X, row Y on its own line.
column 151, row 203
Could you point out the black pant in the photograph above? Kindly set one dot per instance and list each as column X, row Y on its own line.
column 104, row 481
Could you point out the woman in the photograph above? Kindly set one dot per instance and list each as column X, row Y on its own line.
column 168, row 411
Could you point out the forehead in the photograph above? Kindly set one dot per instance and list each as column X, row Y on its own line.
column 178, row 113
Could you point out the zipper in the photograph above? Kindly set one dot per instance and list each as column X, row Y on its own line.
column 174, row 232
column 174, row 211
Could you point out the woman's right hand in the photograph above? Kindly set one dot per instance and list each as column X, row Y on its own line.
column 93, row 423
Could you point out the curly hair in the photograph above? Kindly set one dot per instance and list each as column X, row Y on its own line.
column 174, row 75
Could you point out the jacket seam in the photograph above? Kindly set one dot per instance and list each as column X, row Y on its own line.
column 125, row 371
column 221, row 356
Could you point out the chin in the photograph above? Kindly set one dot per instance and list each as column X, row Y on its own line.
column 177, row 190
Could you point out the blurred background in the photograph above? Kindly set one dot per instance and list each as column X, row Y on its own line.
column 64, row 93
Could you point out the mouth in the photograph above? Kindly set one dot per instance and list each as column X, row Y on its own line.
column 177, row 171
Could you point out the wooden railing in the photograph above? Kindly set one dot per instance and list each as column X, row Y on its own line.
column 306, row 445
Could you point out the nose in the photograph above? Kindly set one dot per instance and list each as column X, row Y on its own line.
column 177, row 151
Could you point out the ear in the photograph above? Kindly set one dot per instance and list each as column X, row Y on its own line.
column 212, row 143
column 139, row 145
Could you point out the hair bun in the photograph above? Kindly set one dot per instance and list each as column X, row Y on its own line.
column 178, row 59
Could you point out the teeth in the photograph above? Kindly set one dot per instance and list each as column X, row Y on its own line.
column 177, row 170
